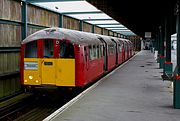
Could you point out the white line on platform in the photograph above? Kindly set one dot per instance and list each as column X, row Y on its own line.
column 78, row 97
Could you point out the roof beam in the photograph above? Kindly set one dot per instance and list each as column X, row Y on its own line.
column 88, row 12
column 108, row 24
column 122, row 30
column 118, row 27
column 39, row 1
column 107, row 19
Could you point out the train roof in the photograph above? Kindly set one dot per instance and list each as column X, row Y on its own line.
column 118, row 40
column 107, row 39
column 74, row 36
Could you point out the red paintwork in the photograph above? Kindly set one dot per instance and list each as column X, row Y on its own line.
column 22, row 63
column 120, row 58
column 161, row 56
column 168, row 62
column 40, row 48
column 177, row 77
column 79, row 77
column 94, row 70
column 56, row 48
column 111, row 61
column 86, row 71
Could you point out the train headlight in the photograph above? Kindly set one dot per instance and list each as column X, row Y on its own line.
column 37, row 81
column 30, row 77
column 25, row 81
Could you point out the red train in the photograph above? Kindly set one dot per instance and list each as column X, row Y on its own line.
column 57, row 57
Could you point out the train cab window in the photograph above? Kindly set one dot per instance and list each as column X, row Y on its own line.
column 31, row 50
column 48, row 48
column 66, row 50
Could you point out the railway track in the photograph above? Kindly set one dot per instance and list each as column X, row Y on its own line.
column 11, row 110
column 33, row 108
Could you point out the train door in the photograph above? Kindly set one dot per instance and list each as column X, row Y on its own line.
column 48, row 63
column 105, row 54
column 122, row 51
column 86, row 58
column 65, row 63
column 116, row 50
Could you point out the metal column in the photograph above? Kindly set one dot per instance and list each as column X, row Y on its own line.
column 93, row 29
column 168, row 63
column 177, row 76
column 60, row 20
column 24, row 19
column 80, row 25
column 157, row 45
column 161, row 48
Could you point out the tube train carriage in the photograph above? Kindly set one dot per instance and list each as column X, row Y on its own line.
column 68, row 58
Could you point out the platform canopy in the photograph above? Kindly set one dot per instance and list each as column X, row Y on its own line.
column 82, row 10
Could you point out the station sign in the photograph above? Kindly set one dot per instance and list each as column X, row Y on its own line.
column 147, row 34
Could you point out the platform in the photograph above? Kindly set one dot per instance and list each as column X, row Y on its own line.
column 134, row 92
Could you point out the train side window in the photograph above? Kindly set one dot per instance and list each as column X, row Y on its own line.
column 66, row 50
column 111, row 49
column 48, row 48
column 90, row 52
column 98, row 52
column 125, row 47
column 31, row 50
column 62, row 49
column 120, row 48
column 69, row 51
column 102, row 50
column 94, row 52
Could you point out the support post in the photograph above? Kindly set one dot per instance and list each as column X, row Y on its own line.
column 167, row 71
column 60, row 20
column 80, row 25
column 156, row 48
column 176, row 95
column 93, row 29
column 161, row 49
column 24, row 19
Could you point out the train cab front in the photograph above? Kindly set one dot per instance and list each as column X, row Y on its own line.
column 48, row 63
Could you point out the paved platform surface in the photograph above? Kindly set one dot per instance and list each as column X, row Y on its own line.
column 134, row 92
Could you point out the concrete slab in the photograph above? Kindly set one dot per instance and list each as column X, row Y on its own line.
column 135, row 92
